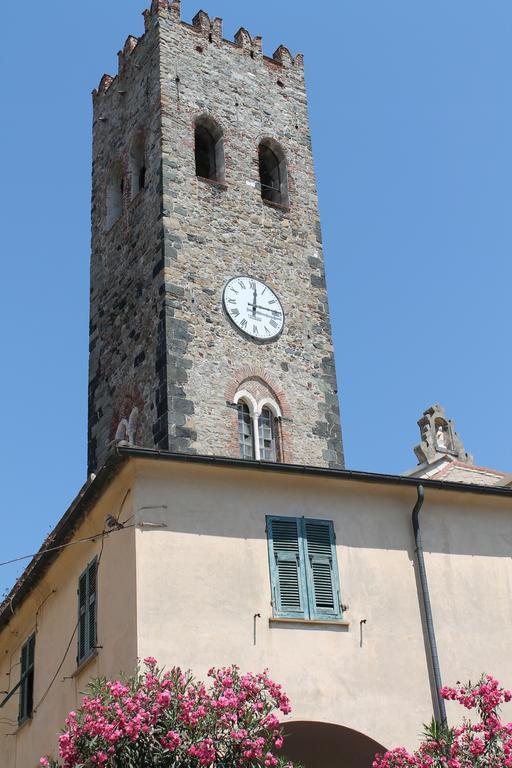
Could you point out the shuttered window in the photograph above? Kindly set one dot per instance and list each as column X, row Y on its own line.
column 303, row 568
column 87, row 612
column 27, row 679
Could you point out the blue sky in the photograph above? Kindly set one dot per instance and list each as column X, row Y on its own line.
column 412, row 127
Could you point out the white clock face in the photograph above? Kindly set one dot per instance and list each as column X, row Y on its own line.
column 254, row 308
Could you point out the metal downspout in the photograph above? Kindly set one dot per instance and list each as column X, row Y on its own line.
column 427, row 608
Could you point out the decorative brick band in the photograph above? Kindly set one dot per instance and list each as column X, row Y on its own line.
column 247, row 373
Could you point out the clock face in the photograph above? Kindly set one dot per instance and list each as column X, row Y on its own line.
column 254, row 308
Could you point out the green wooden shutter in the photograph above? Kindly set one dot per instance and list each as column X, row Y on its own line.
column 23, row 687
column 321, row 569
column 91, row 606
column 29, row 698
column 286, row 568
column 82, row 616
column 87, row 611
column 27, row 679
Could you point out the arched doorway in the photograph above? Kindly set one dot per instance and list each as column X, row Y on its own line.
column 322, row 745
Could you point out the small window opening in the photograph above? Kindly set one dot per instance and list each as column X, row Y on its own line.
column 210, row 38
column 273, row 173
column 268, row 436
column 209, row 151
column 142, row 177
column 115, row 189
column 245, row 431
column 137, row 166
column 252, row 54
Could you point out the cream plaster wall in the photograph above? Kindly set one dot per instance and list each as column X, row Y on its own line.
column 202, row 578
column 51, row 611
column 185, row 587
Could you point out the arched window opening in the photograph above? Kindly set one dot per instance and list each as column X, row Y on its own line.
column 115, row 189
column 137, row 166
column 209, row 151
column 273, row 173
column 245, row 431
column 269, row 450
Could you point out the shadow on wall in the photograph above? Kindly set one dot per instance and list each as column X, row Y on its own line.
column 321, row 745
column 365, row 516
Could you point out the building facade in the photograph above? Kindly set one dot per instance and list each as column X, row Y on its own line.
column 190, row 578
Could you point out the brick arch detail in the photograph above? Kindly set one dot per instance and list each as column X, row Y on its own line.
column 248, row 373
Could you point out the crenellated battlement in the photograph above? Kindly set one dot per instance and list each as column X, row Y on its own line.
column 210, row 30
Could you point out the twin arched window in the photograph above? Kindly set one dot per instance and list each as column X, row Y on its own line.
column 210, row 164
column 257, row 431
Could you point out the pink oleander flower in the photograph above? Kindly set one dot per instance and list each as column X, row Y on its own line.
column 484, row 744
column 168, row 718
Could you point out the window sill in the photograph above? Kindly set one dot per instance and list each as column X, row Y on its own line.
column 273, row 620
column 277, row 206
column 212, row 182
column 135, row 199
column 114, row 225
column 85, row 662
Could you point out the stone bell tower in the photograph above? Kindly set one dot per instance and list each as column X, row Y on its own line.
column 209, row 321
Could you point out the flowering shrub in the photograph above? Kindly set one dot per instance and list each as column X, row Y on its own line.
column 486, row 744
column 163, row 719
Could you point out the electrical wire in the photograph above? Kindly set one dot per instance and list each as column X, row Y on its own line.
column 103, row 535
column 63, row 546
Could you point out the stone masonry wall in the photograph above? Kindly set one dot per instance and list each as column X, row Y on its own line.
column 127, row 338
column 160, row 339
column 213, row 233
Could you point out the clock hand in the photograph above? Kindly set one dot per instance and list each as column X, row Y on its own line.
column 265, row 309
column 254, row 299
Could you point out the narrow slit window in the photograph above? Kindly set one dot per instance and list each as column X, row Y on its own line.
column 209, row 151
column 137, row 167
column 268, row 436
column 273, row 173
column 245, row 431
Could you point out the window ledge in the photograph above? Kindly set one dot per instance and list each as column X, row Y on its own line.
column 135, row 199
column 85, row 662
column 114, row 224
column 273, row 620
column 23, row 724
column 278, row 206
column 212, row 182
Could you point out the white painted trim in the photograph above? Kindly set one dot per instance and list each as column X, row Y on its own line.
column 255, row 409
column 242, row 394
column 271, row 405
